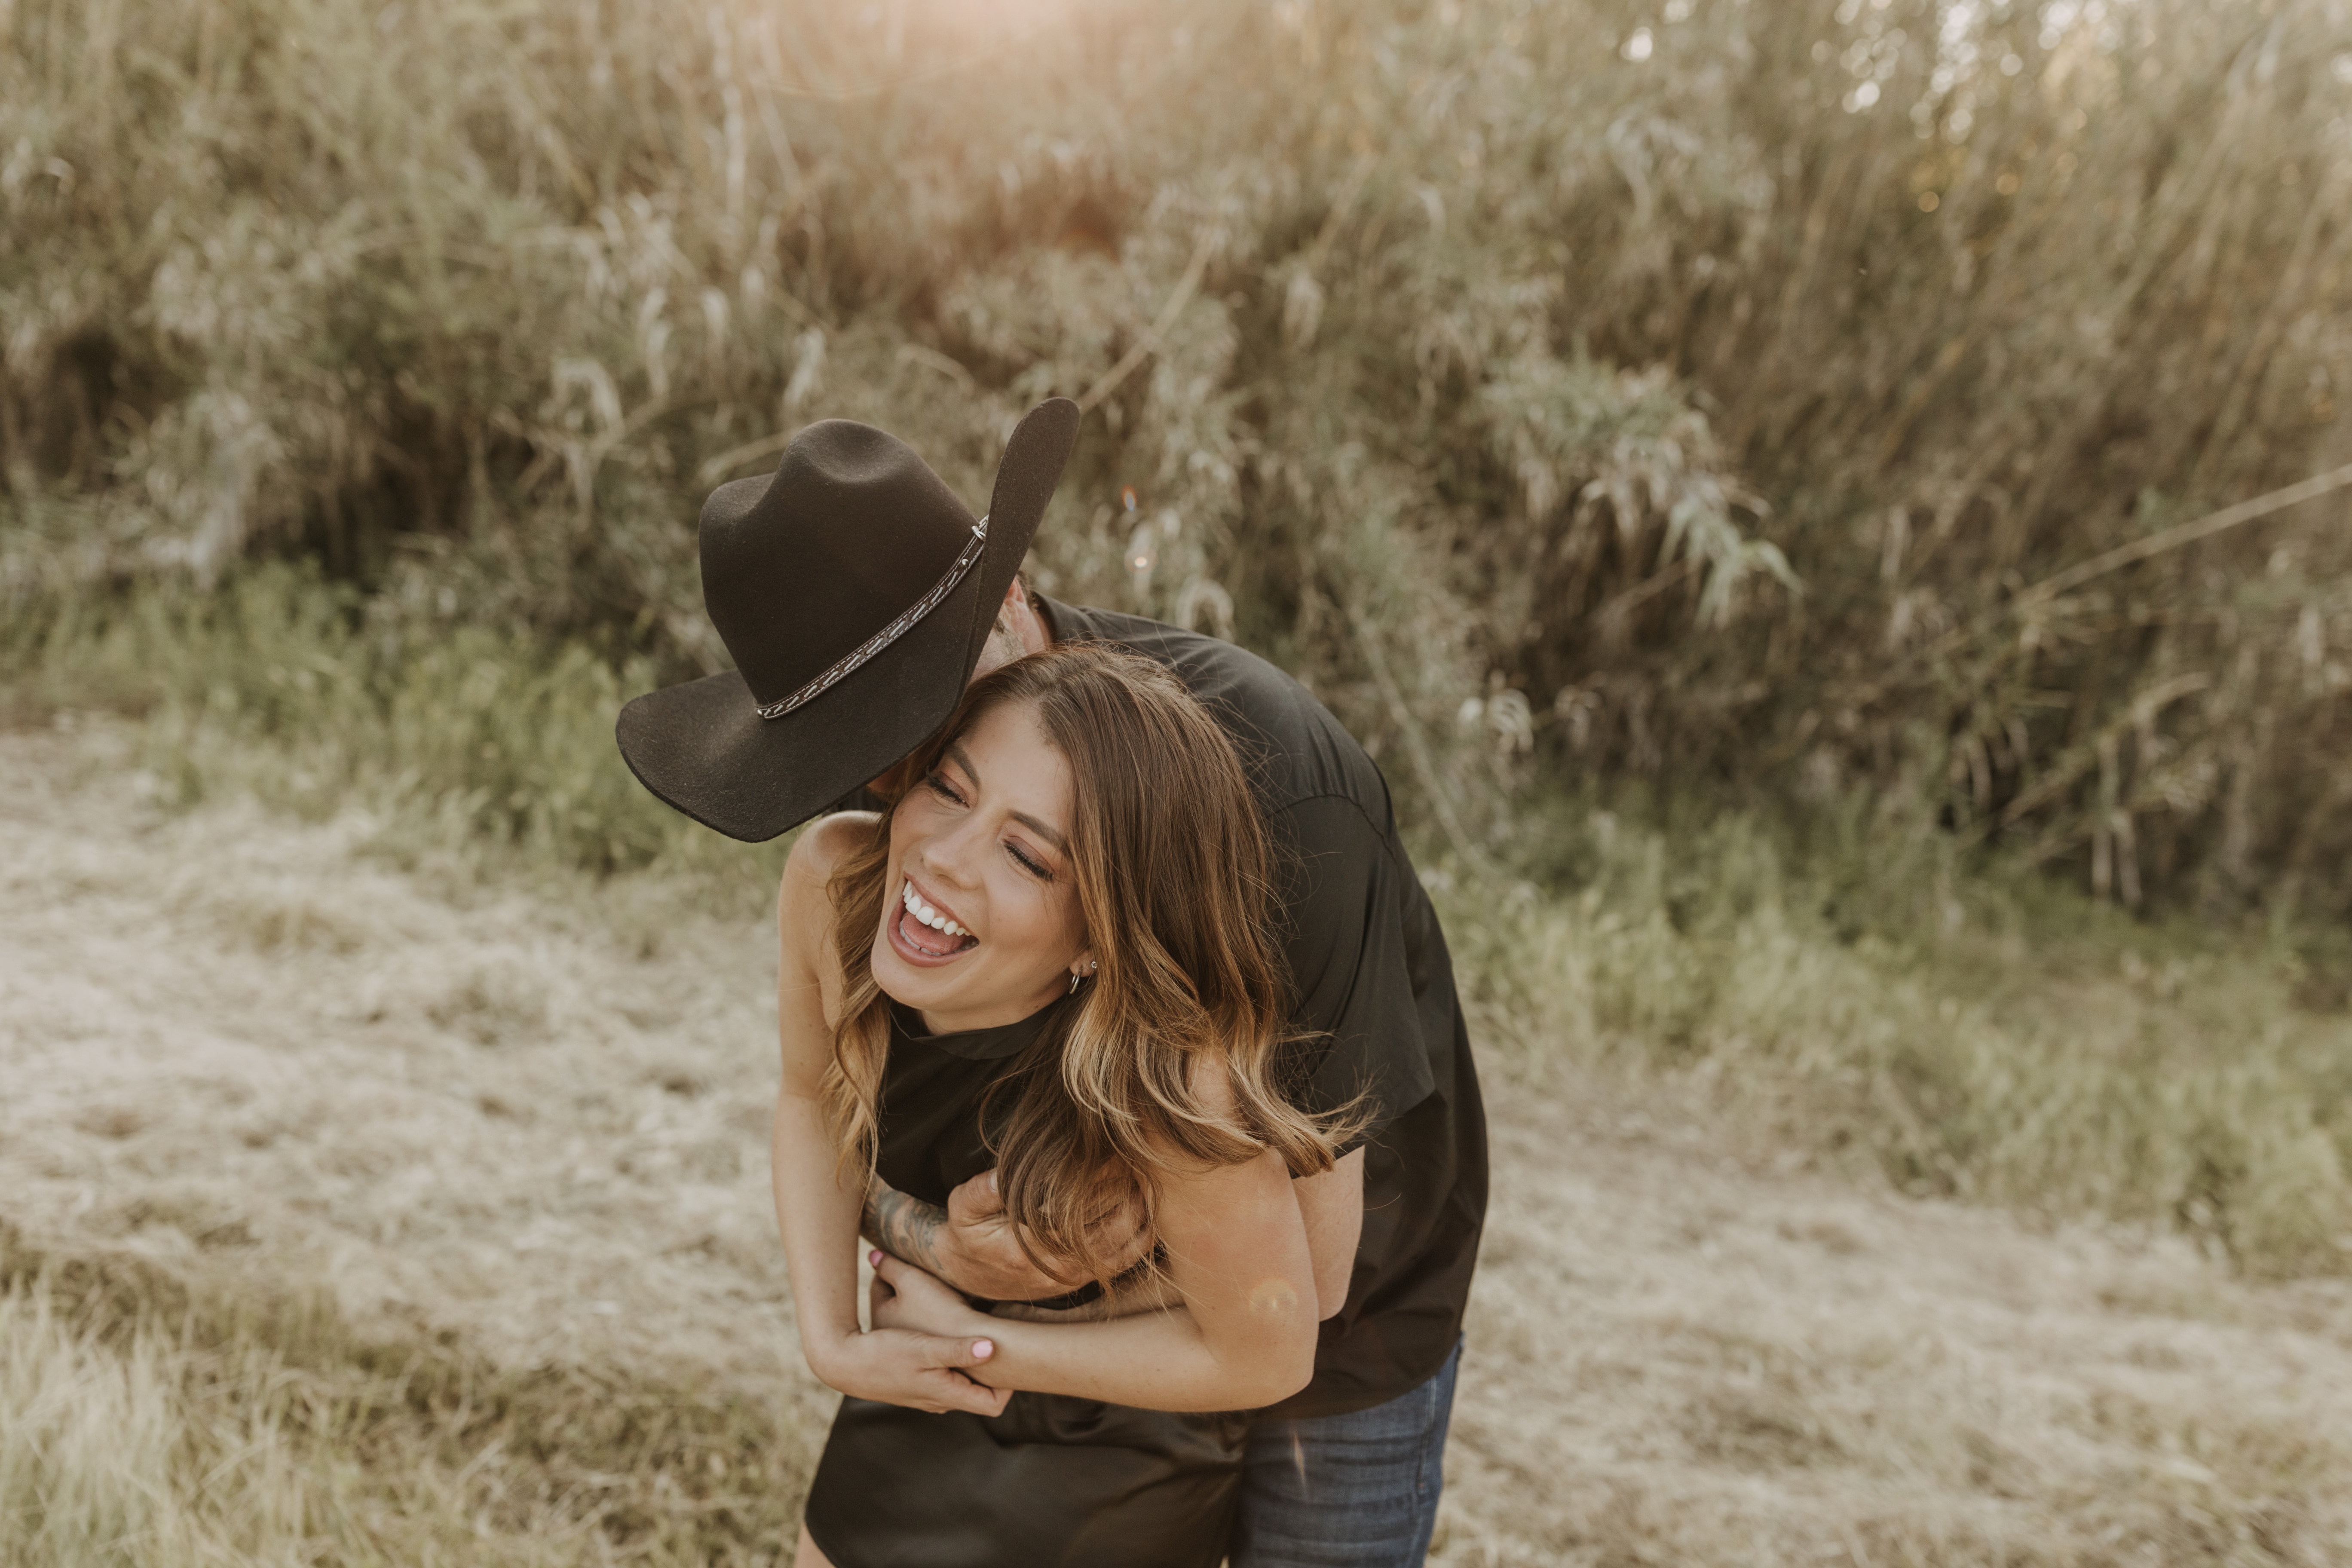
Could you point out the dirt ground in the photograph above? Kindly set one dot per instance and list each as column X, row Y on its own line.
column 537, row 1119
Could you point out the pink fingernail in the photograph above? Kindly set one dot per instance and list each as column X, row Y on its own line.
column 875, row 1257
column 983, row 1349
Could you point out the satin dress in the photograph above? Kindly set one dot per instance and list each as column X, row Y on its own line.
column 1054, row 1481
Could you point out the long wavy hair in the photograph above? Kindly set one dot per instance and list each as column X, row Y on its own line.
column 1174, row 883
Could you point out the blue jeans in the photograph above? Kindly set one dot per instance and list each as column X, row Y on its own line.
column 1357, row 1491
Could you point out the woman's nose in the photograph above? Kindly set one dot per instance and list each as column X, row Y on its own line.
column 948, row 857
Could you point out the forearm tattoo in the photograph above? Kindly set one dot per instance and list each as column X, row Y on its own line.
column 906, row 1229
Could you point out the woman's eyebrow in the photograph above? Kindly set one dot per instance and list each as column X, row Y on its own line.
column 1046, row 830
column 1050, row 833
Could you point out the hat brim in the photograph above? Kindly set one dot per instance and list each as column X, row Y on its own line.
column 703, row 749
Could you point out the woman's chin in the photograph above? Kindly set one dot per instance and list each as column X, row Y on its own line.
column 909, row 987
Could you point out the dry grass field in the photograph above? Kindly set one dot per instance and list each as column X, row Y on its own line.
column 351, row 1213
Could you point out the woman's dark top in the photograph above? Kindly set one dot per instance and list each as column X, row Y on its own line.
column 930, row 1139
column 1373, row 991
column 1052, row 1482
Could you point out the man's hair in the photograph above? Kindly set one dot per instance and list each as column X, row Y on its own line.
column 1172, row 871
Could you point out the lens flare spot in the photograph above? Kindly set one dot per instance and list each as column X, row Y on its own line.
column 1273, row 1297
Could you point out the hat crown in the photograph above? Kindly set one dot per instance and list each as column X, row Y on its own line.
column 851, row 529
column 855, row 593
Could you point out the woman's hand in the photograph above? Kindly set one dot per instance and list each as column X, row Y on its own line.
column 900, row 1365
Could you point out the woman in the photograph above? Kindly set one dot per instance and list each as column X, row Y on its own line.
column 1051, row 956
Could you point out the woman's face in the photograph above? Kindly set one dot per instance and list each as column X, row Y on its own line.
column 979, row 920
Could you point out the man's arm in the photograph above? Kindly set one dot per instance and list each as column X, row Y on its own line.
column 1236, row 1253
column 968, row 1242
column 926, row 1236
column 908, row 1230
column 1350, row 968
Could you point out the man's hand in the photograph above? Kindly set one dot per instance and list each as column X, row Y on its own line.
column 904, row 1298
column 983, row 1250
column 972, row 1246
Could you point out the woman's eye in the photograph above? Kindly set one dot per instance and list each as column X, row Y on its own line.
column 937, row 785
column 1028, row 864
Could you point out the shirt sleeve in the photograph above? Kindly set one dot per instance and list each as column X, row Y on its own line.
column 1343, row 905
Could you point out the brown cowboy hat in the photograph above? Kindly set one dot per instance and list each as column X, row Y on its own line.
column 855, row 592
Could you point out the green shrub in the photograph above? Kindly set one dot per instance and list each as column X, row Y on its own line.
column 1976, row 1036
column 460, row 740
column 1530, row 354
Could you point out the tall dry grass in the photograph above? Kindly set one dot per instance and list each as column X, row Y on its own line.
column 156, row 1416
column 1732, row 391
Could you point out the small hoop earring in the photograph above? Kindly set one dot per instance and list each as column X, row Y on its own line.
column 1074, row 978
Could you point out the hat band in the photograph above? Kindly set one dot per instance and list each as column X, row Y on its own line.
column 840, row 668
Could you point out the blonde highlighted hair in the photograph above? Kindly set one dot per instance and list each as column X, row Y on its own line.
column 1174, row 882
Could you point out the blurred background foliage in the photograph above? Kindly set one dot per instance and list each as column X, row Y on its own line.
column 1759, row 472
column 1708, row 394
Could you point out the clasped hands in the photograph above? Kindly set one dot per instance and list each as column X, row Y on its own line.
column 926, row 1349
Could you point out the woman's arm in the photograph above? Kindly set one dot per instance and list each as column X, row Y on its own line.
column 1332, row 1205
column 1236, row 1250
column 818, row 1196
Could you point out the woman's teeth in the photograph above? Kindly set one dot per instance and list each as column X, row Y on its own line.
column 928, row 915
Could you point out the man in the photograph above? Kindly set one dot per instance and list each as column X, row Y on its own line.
column 823, row 585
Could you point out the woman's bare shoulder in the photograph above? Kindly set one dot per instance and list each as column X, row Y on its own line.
column 824, row 843
column 805, row 903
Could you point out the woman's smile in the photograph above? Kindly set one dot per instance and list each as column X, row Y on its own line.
column 926, row 933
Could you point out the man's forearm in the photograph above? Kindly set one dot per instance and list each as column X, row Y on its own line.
column 913, row 1231
column 1147, row 1291
column 908, row 1229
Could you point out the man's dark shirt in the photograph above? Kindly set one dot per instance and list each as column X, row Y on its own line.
column 1373, row 986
